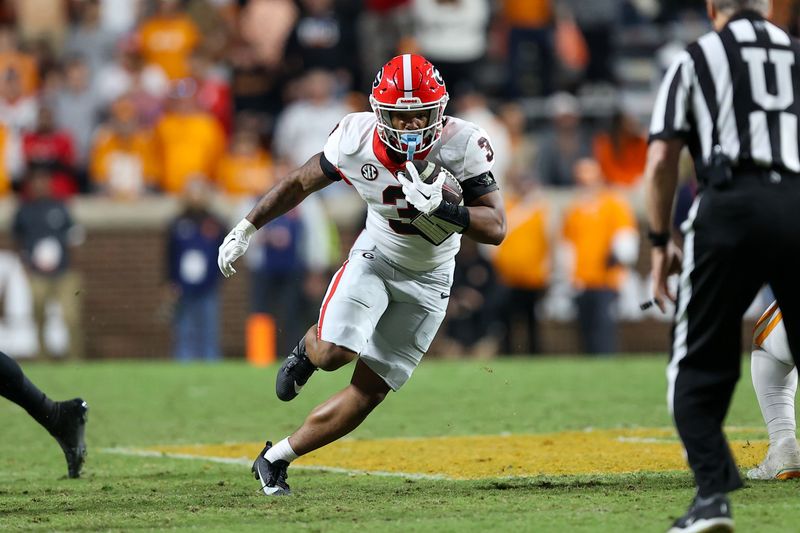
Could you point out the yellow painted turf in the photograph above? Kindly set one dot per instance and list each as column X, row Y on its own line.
column 487, row 456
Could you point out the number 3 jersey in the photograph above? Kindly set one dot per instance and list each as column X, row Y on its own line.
column 362, row 160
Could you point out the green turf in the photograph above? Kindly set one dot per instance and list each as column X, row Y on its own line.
column 136, row 404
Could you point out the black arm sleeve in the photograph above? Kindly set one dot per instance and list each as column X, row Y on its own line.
column 329, row 169
column 477, row 186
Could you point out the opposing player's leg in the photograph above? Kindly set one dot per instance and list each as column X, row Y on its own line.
column 64, row 420
column 355, row 300
column 775, row 382
column 329, row 421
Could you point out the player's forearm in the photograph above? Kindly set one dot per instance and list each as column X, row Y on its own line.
column 486, row 224
column 288, row 193
column 661, row 179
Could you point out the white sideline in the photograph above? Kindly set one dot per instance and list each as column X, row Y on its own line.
column 247, row 462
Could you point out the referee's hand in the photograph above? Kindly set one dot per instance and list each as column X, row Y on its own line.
column 665, row 260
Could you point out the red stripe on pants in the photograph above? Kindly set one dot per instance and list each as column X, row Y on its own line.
column 328, row 299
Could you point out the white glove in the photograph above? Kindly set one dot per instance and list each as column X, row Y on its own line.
column 426, row 197
column 234, row 246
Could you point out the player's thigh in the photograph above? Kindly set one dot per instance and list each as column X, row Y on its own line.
column 353, row 305
column 401, row 338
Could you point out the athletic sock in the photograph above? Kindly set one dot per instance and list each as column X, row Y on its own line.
column 17, row 388
column 775, row 384
column 282, row 451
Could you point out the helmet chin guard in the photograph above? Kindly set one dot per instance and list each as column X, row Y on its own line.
column 409, row 83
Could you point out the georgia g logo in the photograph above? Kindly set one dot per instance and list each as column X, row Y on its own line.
column 369, row 172
column 378, row 78
column 437, row 76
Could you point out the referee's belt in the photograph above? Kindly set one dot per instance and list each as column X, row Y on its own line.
column 750, row 168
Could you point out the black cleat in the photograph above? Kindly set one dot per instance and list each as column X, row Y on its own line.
column 707, row 515
column 294, row 373
column 271, row 475
column 69, row 433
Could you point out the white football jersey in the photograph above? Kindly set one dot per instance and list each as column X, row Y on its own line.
column 362, row 160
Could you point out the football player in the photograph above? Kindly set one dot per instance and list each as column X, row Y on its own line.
column 65, row 421
column 775, row 382
column 385, row 304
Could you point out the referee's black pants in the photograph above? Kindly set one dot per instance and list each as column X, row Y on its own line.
column 737, row 238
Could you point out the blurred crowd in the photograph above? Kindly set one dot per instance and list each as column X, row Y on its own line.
column 132, row 98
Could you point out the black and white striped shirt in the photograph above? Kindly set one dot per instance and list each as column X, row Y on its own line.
column 735, row 91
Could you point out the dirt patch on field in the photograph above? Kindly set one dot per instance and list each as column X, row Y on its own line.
column 475, row 457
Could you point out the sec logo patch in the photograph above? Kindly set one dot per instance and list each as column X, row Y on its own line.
column 369, row 172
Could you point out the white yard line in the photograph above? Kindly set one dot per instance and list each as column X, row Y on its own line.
column 247, row 462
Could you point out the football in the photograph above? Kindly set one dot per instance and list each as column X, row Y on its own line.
column 451, row 189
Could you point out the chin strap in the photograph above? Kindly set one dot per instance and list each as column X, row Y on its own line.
column 411, row 140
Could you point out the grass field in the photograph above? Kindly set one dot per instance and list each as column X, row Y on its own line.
column 532, row 413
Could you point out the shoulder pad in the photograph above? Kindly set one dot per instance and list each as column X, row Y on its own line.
column 356, row 130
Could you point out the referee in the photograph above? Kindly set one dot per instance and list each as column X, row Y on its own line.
column 732, row 98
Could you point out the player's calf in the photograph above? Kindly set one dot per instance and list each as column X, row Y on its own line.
column 309, row 355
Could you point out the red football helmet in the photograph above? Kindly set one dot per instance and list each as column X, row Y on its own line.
column 408, row 83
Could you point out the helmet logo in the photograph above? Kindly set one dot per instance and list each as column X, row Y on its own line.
column 378, row 78
column 369, row 172
column 437, row 76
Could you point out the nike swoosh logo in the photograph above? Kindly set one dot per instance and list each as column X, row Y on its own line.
column 297, row 388
column 443, row 296
column 426, row 196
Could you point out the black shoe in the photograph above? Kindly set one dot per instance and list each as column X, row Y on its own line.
column 712, row 514
column 271, row 475
column 69, row 433
column 294, row 373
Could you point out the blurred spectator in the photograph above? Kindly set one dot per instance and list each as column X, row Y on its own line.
column 123, row 161
column 305, row 124
column 600, row 237
column 11, row 160
column 522, row 262
column 522, row 150
column 621, row 151
column 119, row 16
column 76, row 108
column 42, row 20
column 452, row 34
column 596, row 20
column 382, row 24
column 529, row 62
column 265, row 26
column 213, row 88
column 88, row 39
column 211, row 19
column 472, row 312
column 147, row 85
column 473, row 107
column 44, row 232
column 246, row 168
column 168, row 38
column 188, row 140
column 194, row 237
column 288, row 261
column 564, row 144
column 323, row 38
column 17, row 111
column 54, row 149
column 22, row 64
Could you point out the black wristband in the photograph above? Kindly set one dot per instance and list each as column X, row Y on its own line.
column 658, row 240
column 456, row 215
